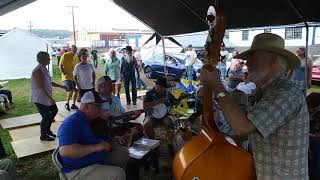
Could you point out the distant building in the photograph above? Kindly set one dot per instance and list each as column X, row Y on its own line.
column 294, row 36
column 57, row 42
column 113, row 38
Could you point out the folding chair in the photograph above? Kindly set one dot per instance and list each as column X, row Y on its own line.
column 56, row 161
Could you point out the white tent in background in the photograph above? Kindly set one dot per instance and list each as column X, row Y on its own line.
column 197, row 39
column 151, row 48
column 18, row 51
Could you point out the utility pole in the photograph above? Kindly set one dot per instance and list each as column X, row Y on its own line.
column 74, row 28
column 30, row 25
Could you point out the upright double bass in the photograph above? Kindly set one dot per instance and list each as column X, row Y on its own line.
column 211, row 154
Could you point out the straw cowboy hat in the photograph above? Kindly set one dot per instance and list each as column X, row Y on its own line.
column 271, row 43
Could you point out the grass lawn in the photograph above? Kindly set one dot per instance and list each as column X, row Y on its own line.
column 38, row 167
column 41, row 167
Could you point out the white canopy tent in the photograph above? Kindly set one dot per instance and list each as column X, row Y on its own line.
column 18, row 51
column 198, row 39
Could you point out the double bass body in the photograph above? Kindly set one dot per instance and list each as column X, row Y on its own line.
column 208, row 155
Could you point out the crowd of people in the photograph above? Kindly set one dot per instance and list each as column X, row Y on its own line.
column 271, row 122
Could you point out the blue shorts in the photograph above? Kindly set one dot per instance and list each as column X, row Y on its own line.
column 70, row 85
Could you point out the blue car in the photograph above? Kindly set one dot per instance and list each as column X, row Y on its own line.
column 154, row 66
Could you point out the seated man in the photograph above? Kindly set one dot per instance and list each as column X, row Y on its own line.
column 85, row 155
column 155, row 96
column 236, row 76
column 7, row 93
column 246, row 86
column 8, row 170
column 112, row 102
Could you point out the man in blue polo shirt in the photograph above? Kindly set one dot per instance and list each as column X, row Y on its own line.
column 85, row 155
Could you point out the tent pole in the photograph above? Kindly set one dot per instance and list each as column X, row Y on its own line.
column 296, row 10
column 307, row 55
column 192, row 11
column 50, row 58
column 165, row 70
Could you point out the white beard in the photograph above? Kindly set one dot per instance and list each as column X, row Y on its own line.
column 129, row 58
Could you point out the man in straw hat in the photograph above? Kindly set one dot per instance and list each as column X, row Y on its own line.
column 277, row 125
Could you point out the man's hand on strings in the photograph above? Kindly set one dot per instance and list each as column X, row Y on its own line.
column 210, row 78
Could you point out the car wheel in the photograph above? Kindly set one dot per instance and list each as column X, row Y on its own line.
column 148, row 72
column 184, row 74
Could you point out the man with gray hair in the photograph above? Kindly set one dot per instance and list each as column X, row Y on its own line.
column 277, row 125
column 41, row 95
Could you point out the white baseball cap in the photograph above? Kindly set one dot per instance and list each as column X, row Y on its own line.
column 91, row 97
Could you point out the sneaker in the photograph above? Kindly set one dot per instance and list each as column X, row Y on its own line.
column 52, row 134
column 128, row 103
column 67, row 107
column 74, row 106
column 134, row 103
column 46, row 138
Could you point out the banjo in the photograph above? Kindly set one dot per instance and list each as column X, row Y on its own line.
column 158, row 111
column 101, row 126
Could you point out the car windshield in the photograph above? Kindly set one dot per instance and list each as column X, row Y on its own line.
column 317, row 62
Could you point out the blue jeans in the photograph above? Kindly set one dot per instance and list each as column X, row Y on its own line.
column 223, row 73
column 141, row 84
column 127, row 81
column 47, row 113
column 95, row 62
column 189, row 70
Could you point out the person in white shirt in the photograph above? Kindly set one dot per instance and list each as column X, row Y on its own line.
column 246, row 86
column 84, row 74
column 190, row 57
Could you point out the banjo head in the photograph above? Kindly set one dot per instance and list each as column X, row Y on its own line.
column 160, row 111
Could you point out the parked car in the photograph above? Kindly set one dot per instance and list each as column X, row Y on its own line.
column 316, row 70
column 154, row 66
column 119, row 53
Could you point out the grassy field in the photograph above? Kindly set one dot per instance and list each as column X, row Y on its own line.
column 41, row 167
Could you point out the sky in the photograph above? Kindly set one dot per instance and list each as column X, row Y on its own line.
column 93, row 15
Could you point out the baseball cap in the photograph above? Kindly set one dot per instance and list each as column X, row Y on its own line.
column 91, row 97
column 104, row 79
column 190, row 46
column 84, row 53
